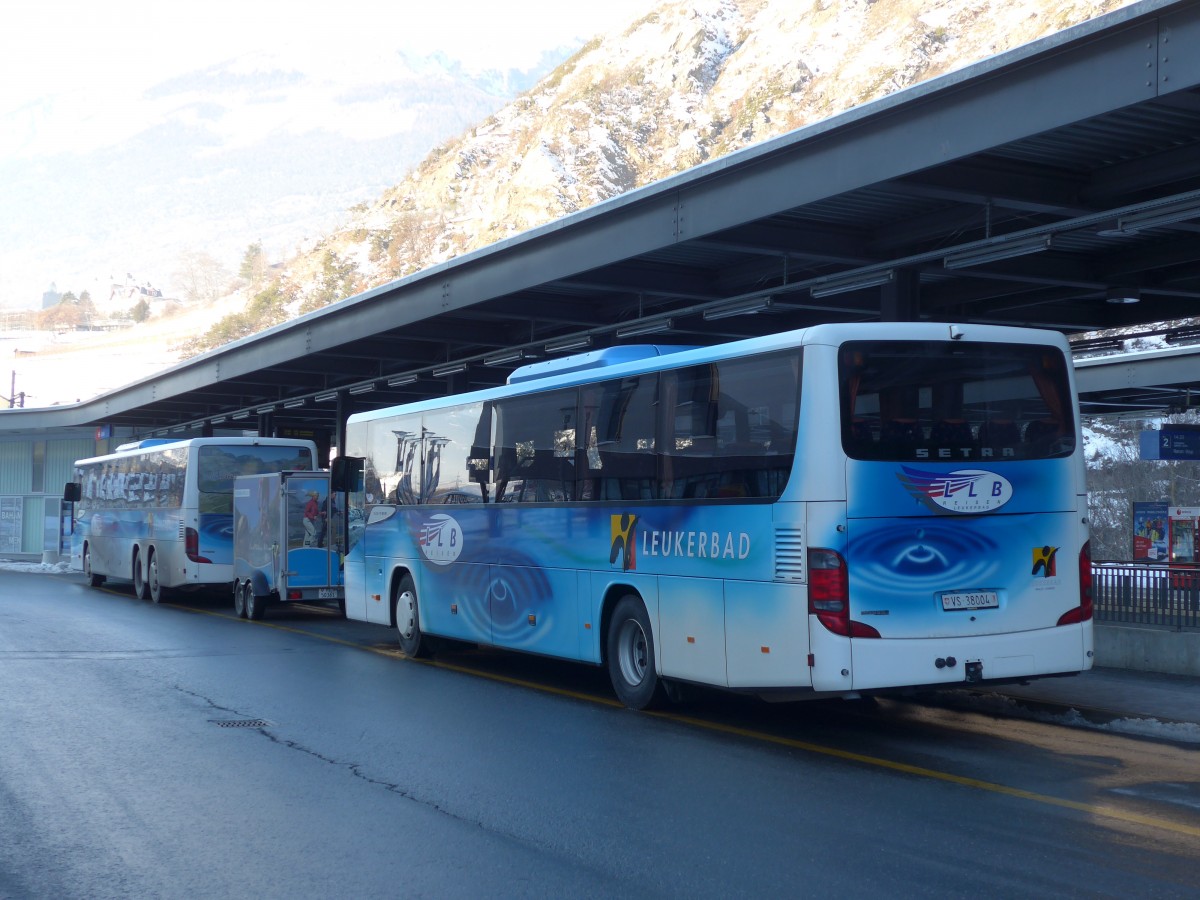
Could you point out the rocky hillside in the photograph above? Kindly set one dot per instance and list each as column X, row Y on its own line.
column 690, row 81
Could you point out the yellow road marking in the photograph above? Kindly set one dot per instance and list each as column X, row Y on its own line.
column 761, row 736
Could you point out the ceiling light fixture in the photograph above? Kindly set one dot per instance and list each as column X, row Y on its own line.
column 398, row 380
column 505, row 358
column 295, row 404
column 1118, row 296
column 640, row 328
column 452, row 369
column 263, row 410
column 741, row 308
column 857, row 282
column 326, row 398
column 1168, row 214
column 363, row 388
column 572, row 343
column 995, row 252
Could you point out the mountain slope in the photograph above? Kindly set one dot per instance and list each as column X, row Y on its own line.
column 688, row 82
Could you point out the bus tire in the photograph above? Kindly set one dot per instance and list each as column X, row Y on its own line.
column 408, row 620
column 93, row 579
column 239, row 599
column 256, row 606
column 158, row 593
column 630, row 655
column 139, row 579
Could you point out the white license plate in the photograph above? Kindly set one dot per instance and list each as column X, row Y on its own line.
column 971, row 600
column 326, row 594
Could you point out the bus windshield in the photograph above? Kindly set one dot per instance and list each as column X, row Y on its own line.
column 954, row 401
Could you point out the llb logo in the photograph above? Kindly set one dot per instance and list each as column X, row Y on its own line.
column 963, row 491
column 440, row 539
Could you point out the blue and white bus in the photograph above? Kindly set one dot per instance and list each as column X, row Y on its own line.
column 847, row 508
column 160, row 513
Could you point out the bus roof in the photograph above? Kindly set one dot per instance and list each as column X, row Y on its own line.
column 572, row 371
column 151, row 445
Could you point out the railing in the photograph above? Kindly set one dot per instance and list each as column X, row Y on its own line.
column 1145, row 594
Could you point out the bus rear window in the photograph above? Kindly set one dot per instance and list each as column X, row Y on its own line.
column 954, row 401
column 218, row 466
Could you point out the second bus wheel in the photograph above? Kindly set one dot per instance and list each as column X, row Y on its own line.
column 408, row 620
column 158, row 593
column 93, row 579
column 630, row 646
column 139, row 578
column 239, row 599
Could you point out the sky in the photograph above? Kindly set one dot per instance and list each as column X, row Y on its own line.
column 83, row 53
column 75, row 76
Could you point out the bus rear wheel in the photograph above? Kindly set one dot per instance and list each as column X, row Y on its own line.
column 139, row 579
column 408, row 620
column 158, row 593
column 93, row 579
column 630, row 656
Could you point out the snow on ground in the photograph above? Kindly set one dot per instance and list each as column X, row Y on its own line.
column 58, row 568
column 997, row 704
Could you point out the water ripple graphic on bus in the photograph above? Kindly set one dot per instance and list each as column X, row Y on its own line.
column 216, row 532
column 926, row 557
column 517, row 592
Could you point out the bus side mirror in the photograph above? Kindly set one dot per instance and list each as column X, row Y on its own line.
column 72, row 492
column 346, row 474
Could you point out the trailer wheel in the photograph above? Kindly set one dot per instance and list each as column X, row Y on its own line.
column 256, row 606
column 630, row 645
column 239, row 599
column 93, row 579
column 139, row 580
column 408, row 621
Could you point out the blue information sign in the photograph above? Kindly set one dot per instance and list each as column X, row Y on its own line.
column 1171, row 443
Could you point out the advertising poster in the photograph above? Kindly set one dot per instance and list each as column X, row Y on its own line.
column 1150, row 531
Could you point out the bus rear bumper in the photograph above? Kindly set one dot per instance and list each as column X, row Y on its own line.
column 883, row 663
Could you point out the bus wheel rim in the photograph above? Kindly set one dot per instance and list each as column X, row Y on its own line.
column 632, row 652
column 406, row 613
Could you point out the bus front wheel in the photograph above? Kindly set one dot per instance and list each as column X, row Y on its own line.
column 93, row 579
column 139, row 579
column 408, row 620
column 630, row 646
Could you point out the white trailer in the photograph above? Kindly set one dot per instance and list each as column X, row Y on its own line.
column 288, row 541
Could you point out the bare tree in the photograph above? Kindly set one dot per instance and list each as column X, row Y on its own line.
column 200, row 277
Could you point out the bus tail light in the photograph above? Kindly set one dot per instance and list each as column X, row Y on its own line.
column 829, row 594
column 191, row 546
column 1083, row 611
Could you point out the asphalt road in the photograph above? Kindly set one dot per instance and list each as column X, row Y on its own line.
column 176, row 751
